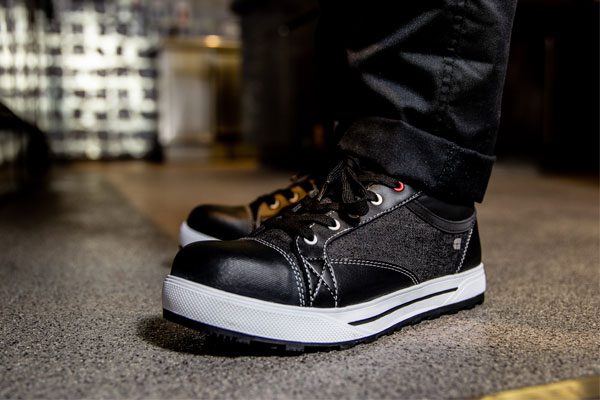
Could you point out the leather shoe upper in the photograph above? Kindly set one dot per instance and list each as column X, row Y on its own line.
column 245, row 267
column 221, row 222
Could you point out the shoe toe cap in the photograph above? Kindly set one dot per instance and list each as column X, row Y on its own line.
column 244, row 267
column 221, row 222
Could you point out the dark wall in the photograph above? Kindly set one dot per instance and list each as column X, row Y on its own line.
column 550, row 107
column 279, row 100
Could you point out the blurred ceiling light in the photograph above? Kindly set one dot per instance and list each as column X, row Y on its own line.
column 212, row 41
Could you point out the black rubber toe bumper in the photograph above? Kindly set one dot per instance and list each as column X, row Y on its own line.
column 244, row 267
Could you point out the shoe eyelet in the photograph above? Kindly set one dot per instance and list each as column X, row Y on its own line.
column 312, row 241
column 275, row 205
column 378, row 201
column 336, row 226
column 400, row 187
column 295, row 198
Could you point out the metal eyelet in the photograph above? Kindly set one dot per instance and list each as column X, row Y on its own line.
column 400, row 187
column 336, row 226
column 295, row 198
column 275, row 205
column 378, row 201
column 312, row 241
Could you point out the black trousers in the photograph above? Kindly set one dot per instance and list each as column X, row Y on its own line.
column 416, row 86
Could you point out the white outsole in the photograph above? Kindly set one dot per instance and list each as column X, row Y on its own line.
column 188, row 235
column 279, row 322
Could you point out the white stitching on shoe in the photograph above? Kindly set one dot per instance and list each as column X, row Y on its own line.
column 305, row 270
column 379, row 264
column 321, row 276
column 462, row 259
column 335, row 298
column 391, row 209
column 295, row 268
column 322, row 279
column 319, row 286
column 305, row 263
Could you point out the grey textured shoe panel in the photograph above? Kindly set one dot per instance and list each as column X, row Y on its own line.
column 352, row 281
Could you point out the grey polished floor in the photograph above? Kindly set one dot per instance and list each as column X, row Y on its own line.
column 80, row 280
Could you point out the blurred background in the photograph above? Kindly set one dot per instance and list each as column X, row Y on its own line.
column 210, row 79
column 119, row 116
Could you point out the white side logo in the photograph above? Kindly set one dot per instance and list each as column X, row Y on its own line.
column 457, row 243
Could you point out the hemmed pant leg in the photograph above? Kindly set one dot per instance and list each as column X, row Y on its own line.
column 422, row 90
column 430, row 162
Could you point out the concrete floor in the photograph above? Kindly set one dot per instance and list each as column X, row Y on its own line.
column 82, row 262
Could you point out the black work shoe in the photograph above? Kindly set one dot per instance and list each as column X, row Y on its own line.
column 364, row 257
column 214, row 222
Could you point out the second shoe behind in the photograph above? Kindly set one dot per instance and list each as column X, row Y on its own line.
column 218, row 222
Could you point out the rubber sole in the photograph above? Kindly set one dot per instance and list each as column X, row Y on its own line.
column 296, row 347
column 295, row 327
column 188, row 235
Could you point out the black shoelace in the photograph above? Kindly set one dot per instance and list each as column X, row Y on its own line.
column 345, row 191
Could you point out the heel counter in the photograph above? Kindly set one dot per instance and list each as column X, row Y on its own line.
column 473, row 251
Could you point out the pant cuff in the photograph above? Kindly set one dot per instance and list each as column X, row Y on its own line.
column 428, row 162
